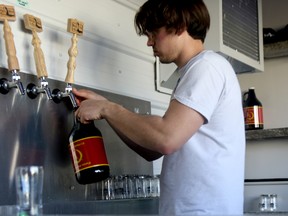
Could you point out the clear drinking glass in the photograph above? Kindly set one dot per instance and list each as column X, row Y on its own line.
column 29, row 188
column 108, row 189
column 263, row 202
column 272, row 202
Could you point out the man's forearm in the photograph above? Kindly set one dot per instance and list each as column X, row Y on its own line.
column 147, row 154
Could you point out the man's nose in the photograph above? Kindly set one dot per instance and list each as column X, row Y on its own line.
column 150, row 41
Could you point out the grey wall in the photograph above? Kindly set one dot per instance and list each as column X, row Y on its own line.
column 35, row 132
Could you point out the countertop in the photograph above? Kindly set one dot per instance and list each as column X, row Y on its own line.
column 11, row 210
column 273, row 133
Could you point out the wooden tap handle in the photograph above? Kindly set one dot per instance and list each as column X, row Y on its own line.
column 35, row 25
column 13, row 63
column 75, row 27
column 71, row 65
column 39, row 56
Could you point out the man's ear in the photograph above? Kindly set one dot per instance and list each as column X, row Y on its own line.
column 180, row 31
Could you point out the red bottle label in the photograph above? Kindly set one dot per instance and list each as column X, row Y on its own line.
column 88, row 152
column 253, row 115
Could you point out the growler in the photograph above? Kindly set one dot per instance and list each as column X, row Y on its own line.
column 253, row 111
column 88, row 153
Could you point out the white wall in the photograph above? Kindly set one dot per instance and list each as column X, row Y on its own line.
column 111, row 56
column 271, row 89
column 268, row 158
column 275, row 13
column 271, row 85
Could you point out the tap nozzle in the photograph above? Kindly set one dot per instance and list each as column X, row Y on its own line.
column 16, row 83
column 20, row 87
column 57, row 95
column 48, row 92
column 73, row 100
column 33, row 90
column 6, row 85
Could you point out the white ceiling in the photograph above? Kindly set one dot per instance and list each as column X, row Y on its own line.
column 137, row 2
column 133, row 4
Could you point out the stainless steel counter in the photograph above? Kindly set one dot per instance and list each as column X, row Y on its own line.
column 147, row 206
column 114, row 207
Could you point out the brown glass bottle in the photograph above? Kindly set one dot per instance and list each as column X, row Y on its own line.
column 253, row 111
column 88, row 153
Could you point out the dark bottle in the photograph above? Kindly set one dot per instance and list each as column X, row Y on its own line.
column 253, row 111
column 88, row 153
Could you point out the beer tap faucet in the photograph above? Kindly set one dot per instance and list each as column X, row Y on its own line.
column 35, row 25
column 8, row 13
column 58, row 95
column 76, row 28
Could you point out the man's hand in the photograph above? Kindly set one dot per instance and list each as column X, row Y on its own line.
column 91, row 105
column 84, row 94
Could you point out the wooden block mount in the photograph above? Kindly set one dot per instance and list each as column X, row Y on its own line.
column 32, row 23
column 75, row 26
column 7, row 12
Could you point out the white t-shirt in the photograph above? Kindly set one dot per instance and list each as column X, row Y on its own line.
column 206, row 176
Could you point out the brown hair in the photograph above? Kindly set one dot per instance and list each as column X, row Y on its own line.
column 174, row 15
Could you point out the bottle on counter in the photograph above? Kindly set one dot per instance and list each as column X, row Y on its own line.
column 253, row 111
column 88, row 153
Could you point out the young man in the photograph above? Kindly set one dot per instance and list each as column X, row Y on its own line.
column 202, row 133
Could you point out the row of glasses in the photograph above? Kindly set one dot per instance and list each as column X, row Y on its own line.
column 268, row 202
column 128, row 187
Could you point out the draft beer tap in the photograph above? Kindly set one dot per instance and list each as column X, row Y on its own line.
column 35, row 25
column 76, row 28
column 7, row 13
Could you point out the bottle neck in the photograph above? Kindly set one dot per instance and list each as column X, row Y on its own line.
column 251, row 94
column 79, row 125
column 251, row 99
column 86, row 126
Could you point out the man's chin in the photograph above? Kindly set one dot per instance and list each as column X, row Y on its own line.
column 164, row 61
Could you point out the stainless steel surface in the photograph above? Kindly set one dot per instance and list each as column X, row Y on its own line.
column 35, row 132
column 115, row 207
